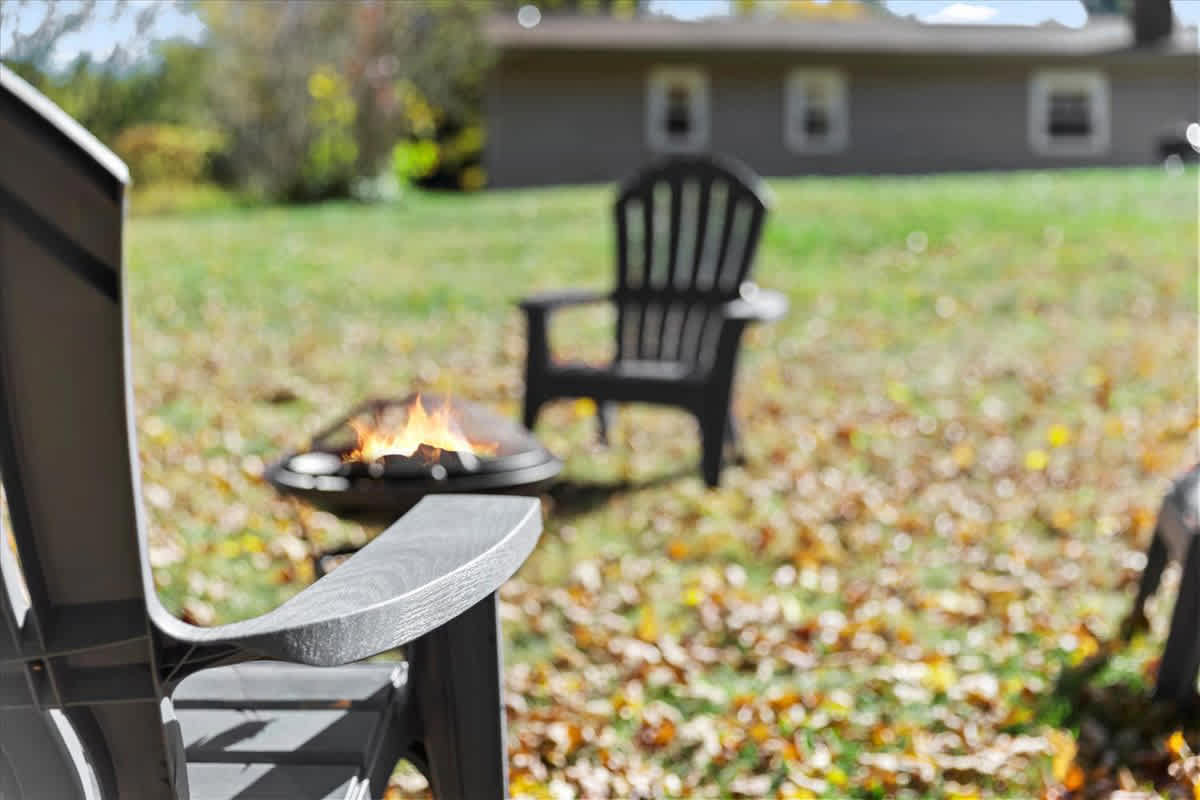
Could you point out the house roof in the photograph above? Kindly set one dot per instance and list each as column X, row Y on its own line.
column 884, row 35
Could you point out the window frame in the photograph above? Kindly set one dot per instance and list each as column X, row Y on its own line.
column 795, row 103
column 658, row 84
column 1042, row 85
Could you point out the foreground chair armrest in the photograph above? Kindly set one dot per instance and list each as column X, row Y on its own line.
column 436, row 562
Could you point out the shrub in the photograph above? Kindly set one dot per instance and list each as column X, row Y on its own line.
column 160, row 152
column 440, row 152
column 332, row 150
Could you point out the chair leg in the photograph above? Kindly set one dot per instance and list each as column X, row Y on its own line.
column 606, row 417
column 1156, row 561
column 1181, row 656
column 456, row 674
column 712, row 447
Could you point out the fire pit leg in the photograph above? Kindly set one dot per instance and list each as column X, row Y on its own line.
column 456, row 674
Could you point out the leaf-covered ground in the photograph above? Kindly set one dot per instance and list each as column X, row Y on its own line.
column 957, row 441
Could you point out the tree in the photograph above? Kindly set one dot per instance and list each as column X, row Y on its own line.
column 813, row 9
column 614, row 7
column 315, row 95
column 1105, row 7
column 275, row 89
column 35, row 47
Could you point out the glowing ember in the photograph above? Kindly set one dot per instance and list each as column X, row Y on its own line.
column 437, row 432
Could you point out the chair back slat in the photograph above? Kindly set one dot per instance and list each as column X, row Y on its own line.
column 687, row 231
column 64, row 444
column 75, row 598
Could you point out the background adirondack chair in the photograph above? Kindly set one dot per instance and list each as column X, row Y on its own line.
column 102, row 692
column 687, row 229
column 1175, row 534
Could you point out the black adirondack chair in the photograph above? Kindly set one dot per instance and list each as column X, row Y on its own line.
column 687, row 229
column 103, row 694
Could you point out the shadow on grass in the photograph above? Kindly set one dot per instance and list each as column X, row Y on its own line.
column 572, row 498
column 1121, row 731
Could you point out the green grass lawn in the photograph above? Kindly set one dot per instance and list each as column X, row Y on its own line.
column 956, row 444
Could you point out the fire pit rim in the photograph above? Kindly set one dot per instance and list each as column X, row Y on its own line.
column 526, row 470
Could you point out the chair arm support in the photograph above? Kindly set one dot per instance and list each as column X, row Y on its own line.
column 550, row 301
column 434, row 563
column 537, row 312
column 756, row 305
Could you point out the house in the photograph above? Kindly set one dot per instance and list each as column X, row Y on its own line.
column 574, row 99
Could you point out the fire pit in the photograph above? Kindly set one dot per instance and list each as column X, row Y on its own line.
column 385, row 455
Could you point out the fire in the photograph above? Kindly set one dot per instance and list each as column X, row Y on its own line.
column 437, row 432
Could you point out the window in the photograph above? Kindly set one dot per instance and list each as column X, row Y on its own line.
column 815, row 118
column 1068, row 113
column 677, row 110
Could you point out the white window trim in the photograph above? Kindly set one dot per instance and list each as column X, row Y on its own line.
column 696, row 82
column 1042, row 84
column 795, row 100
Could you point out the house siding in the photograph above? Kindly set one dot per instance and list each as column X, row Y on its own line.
column 579, row 117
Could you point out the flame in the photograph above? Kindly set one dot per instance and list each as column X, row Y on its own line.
column 437, row 431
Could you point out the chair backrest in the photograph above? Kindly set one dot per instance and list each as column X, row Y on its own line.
column 76, row 635
column 687, row 230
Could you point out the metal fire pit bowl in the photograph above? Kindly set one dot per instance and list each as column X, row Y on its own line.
column 386, row 488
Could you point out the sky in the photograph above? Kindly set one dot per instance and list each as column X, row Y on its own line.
column 107, row 30
column 982, row 12
column 112, row 25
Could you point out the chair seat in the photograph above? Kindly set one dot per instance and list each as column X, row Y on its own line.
column 273, row 782
column 272, row 730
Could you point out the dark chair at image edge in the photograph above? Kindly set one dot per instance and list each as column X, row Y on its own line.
column 687, row 230
column 102, row 692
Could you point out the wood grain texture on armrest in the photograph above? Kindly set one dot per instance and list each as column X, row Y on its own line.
column 442, row 557
column 566, row 297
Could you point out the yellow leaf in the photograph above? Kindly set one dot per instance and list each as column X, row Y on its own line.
column 796, row 793
column 1063, row 748
column 647, row 628
column 693, row 597
column 898, row 393
column 1087, row 648
column 940, row 677
column 1177, row 745
column 837, row 776
column 524, row 786
column 1062, row 519
column 584, row 407
column 1036, row 460
column 963, row 455
column 251, row 543
column 1058, row 435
